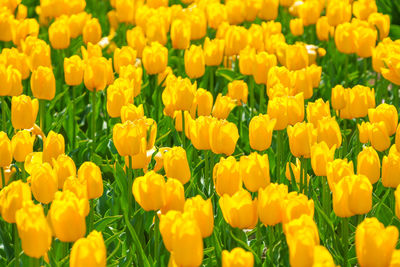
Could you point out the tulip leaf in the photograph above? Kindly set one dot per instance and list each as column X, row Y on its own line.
column 101, row 224
column 227, row 74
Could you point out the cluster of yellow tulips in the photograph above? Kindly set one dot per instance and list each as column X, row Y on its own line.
column 199, row 133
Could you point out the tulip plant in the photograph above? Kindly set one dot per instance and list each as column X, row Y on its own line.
column 199, row 133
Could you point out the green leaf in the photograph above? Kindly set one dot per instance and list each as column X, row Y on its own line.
column 101, row 224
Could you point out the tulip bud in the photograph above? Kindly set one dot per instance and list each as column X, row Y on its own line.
column 95, row 244
column 194, row 62
column 295, row 169
column 391, row 168
column 91, row 173
column 295, row 205
column 5, row 80
column 238, row 91
column 368, row 164
column 296, row 57
column 213, row 51
column 33, row 229
column 73, row 70
column 96, row 73
column 202, row 103
column 239, row 210
column 79, row 188
column 381, row 22
column 53, row 146
column 222, row 107
column 246, row 60
column 22, row 145
column 324, row 30
column 149, row 191
column 302, row 83
column 130, row 112
column 92, row 50
column 155, row 58
column 301, row 137
column 237, row 257
column 199, row 132
column 366, row 41
column 127, row 137
column 375, row 243
column 317, row 110
column 310, row 12
column 180, row 34
column 223, row 137
column 43, row 83
column 362, row 9
column 202, row 212
column 15, row 80
column 337, row 170
column 6, row 152
column 136, row 39
column 270, row 207
column 156, row 31
column 338, row 12
column 387, row 114
column 378, row 136
column 329, row 131
column 198, row 23
column 260, row 132
column 321, row 154
column 269, row 9
column 12, row 198
column 236, row 39
column 167, row 222
column 64, row 167
column 226, row 176
column 44, row 183
column 6, row 26
column 124, row 57
column 296, row 27
column 337, row 97
column 118, row 96
column 174, row 158
column 263, row 62
column 125, row 10
column 59, row 35
column 254, row 170
column 175, row 196
column 92, row 31
column 345, row 39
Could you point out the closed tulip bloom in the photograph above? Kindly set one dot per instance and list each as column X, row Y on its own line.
column 301, row 137
column 175, row 196
column 226, row 176
column 90, row 251
column 237, row 257
column 310, row 12
column 239, row 91
column 125, row 10
column 133, row 76
column 155, row 58
column 149, row 191
column 321, row 154
column 39, row 55
column 91, row 173
column 322, row 257
column 246, row 60
column 338, row 12
column 337, row 170
column 53, row 146
column 254, row 170
column 360, row 198
column 277, row 109
column 296, row 57
column 302, row 238
column 329, row 131
column 15, row 80
column 22, row 145
column 156, row 31
column 33, row 229
column 391, row 168
column 202, row 103
column 303, row 83
column 123, row 57
column 187, row 243
column 296, row 27
column 12, row 198
column 202, row 212
column 92, row 31
column 117, row 97
column 44, row 183
column 269, row 9
column 387, row 114
column 317, row 110
column 270, row 207
column 345, row 39
column 363, row 8
column 130, row 112
column 174, row 158
column 96, row 73
column 261, row 65
column 64, row 167
column 127, row 137
column 378, row 136
column 368, row 164
column 76, row 23
column 180, row 34
column 59, row 35
column 194, row 62
column 5, row 79
column 223, row 106
column 363, row 132
column 295, row 168
column 338, row 97
column 136, row 39
column 260, row 132
column 239, row 210
column 73, row 70
column 6, row 25
column 6, row 152
column 213, row 51
column 375, row 244
column 167, row 222
column 236, row 39
column 295, row 205
column 381, row 22
column 43, row 83
column 223, row 137
column 323, row 29
column 236, row 11
column 397, row 138
column 366, row 41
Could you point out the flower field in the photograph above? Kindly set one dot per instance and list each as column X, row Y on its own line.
column 189, row 133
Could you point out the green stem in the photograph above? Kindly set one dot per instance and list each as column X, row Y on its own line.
column 206, row 167
column 301, row 175
column 33, row 262
column 73, row 118
column 345, row 239
column 183, row 128
column 42, row 110
column 325, row 195
column 16, row 245
column 156, row 236
column 211, row 80
column 130, row 182
column 305, row 178
column 395, row 89
column 3, row 178
column 279, row 153
column 93, row 132
column 344, row 151
column 262, row 91
column 259, row 239
column 3, row 113
column 346, row 68
column 251, row 90
column 91, row 216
